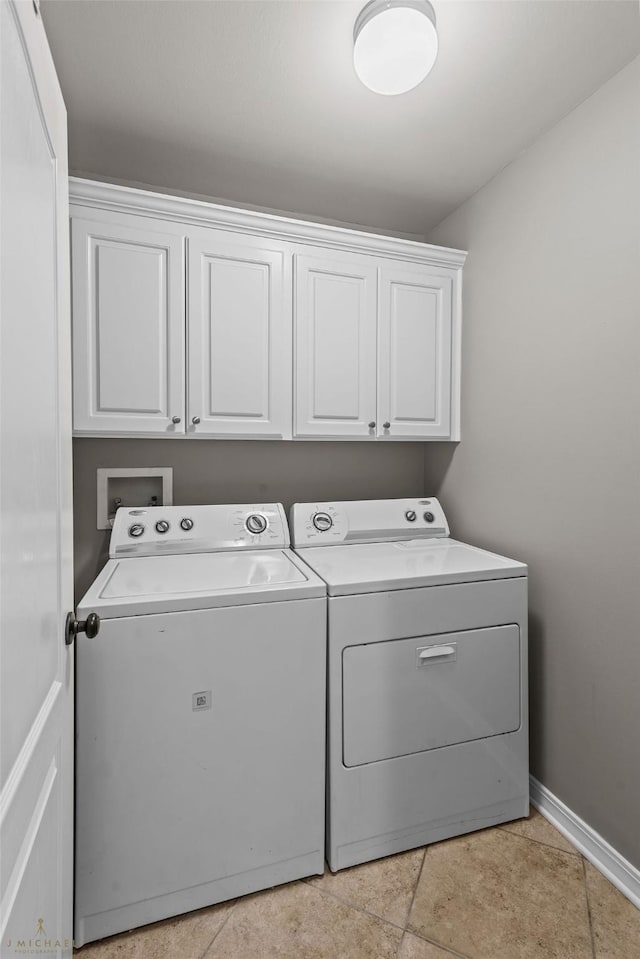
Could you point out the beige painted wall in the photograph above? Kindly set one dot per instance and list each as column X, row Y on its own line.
column 225, row 471
column 549, row 465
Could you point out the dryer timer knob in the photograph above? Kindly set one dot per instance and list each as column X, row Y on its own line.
column 322, row 522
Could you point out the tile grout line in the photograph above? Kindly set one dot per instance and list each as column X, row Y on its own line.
column 413, row 898
column 586, row 893
column 537, row 842
column 221, row 927
column 389, row 922
column 415, row 888
column 434, row 942
column 540, row 842
column 351, row 905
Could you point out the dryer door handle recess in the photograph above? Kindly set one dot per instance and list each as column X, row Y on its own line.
column 429, row 654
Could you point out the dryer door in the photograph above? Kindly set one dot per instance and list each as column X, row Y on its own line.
column 406, row 696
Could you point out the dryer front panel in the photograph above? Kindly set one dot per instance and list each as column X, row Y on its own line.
column 410, row 695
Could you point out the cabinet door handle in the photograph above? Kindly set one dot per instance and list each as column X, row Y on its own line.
column 372, row 425
column 387, row 425
column 176, row 419
column 195, row 420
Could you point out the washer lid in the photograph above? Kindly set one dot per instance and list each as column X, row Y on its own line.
column 161, row 584
column 374, row 567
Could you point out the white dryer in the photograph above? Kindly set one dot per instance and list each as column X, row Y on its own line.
column 200, row 754
column 427, row 698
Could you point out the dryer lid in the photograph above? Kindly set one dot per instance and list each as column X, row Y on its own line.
column 375, row 567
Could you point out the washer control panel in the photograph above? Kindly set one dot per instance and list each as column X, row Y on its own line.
column 366, row 521
column 256, row 523
column 160, row 530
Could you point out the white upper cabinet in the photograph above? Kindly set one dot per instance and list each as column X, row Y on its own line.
column 414, row 352
column 196, row 320
column 239, row 335
column 128, row 327
column 335, row 332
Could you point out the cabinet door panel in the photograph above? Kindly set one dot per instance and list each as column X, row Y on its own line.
column 239, row 335
column 414, row 353
column 128, row 327
column 335, row 324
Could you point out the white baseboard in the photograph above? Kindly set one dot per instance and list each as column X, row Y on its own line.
column 593, row 847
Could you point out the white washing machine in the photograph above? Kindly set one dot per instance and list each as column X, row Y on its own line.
column 427, row 698
column 200, row 746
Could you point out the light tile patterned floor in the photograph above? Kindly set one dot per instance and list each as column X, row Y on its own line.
column 520, row 891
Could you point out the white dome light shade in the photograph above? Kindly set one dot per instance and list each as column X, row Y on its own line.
column 395, row 44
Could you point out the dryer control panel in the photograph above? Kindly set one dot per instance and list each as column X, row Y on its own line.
column 162, row 530
column 367, row 521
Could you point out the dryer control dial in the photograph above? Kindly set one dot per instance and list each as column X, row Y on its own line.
column 256, row 523
column 322, row 522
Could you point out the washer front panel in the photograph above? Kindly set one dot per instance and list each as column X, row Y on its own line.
column 200, row 760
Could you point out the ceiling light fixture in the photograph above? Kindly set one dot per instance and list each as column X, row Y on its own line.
column 395, row 44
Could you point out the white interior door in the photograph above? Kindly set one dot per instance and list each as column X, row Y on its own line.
column 335, row 331
column 128, row 325
column 36, row 590
column 414, row 352
column 239, row 333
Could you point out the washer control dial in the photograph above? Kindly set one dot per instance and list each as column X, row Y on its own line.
column 162, row 526
column 322, row 522
column 256, row 523
column 410, row 515
column 429, row 517
column 136, row 529
column 186, row 524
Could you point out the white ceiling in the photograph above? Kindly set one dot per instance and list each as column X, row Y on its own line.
column 256, row 101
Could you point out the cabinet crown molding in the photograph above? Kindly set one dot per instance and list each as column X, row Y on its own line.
column 107, row 196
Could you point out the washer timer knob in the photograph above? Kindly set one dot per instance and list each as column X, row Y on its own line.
column 162, row 526
column 322, row 522
column 186, row 524
column 429, row 517
column 256, row 523
column 136, row 529
column 410, row 515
